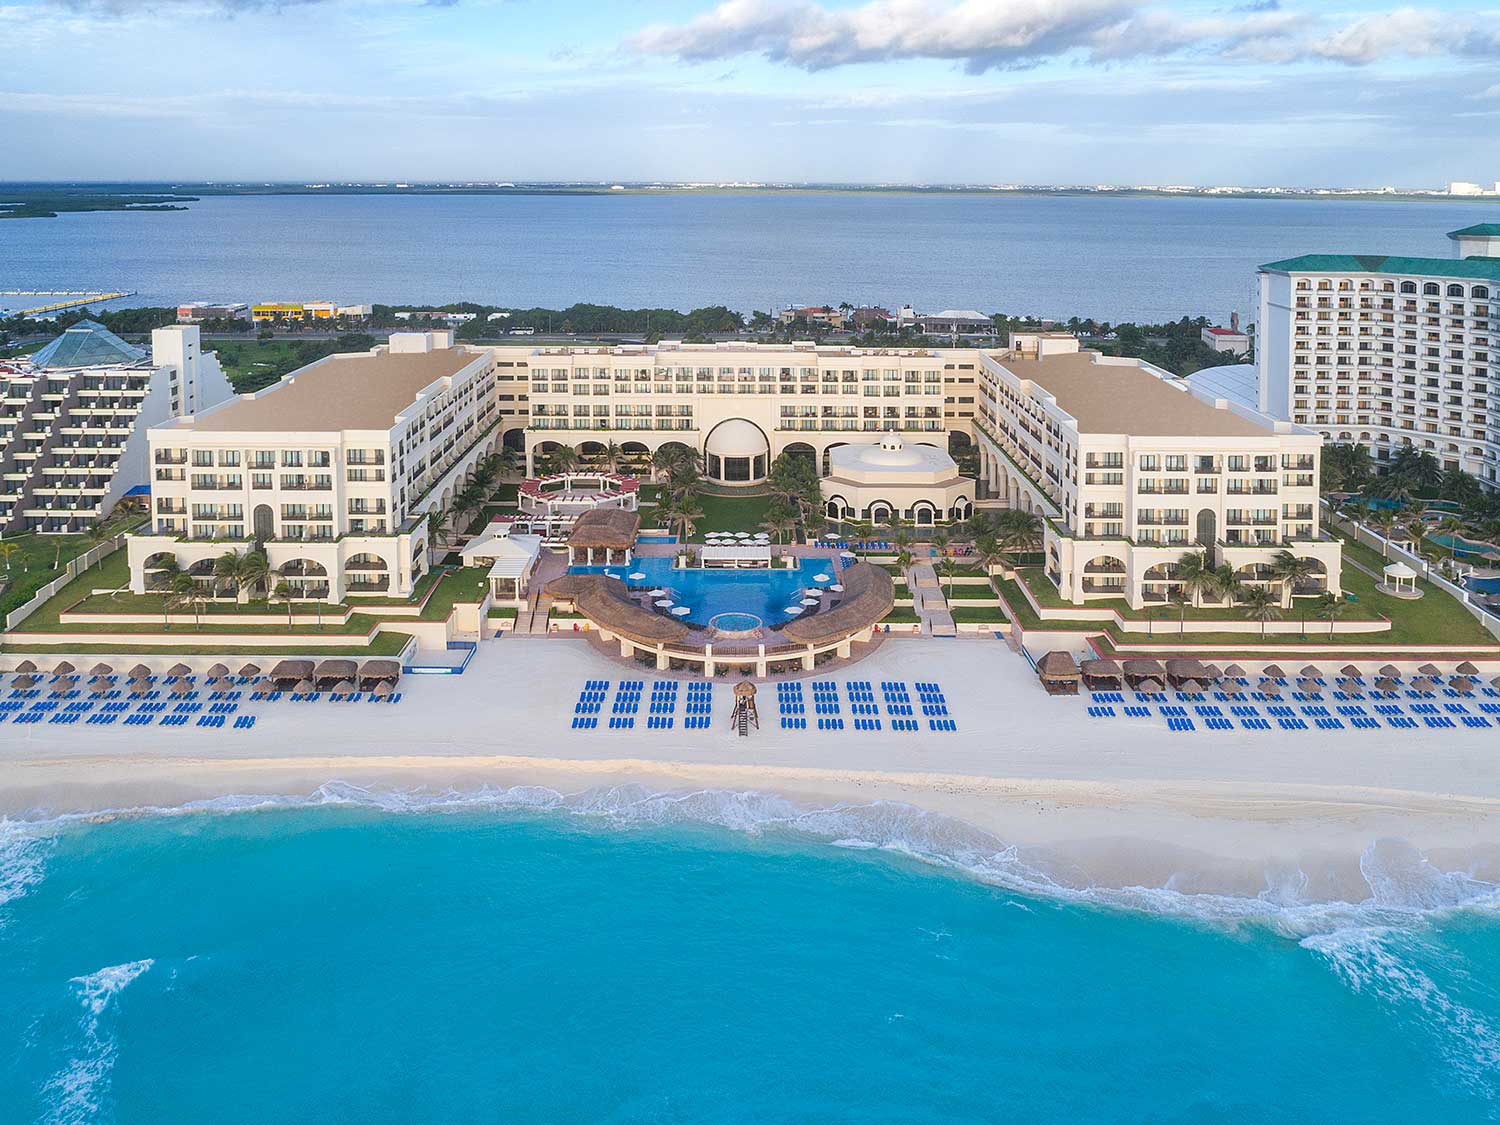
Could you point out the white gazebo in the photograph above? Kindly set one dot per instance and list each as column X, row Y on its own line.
column 512, row 559
column 1399, row 581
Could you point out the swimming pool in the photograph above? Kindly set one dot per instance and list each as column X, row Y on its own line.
column 707, row 593
column 1483, row 585
column 1464, row 546
column 657, row 539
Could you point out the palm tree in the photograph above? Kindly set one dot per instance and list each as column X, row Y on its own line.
column 227, row 572
column 989, row 552
column 1019, row 530
column 7, row 551
column 1452, row 528
column 1290, row 570
column 255, row 571
column 778, row 522
column 564, row 459
column 165, row 573
column 1197, row 576
column 1383, row 521
column 1181, row 596
column 611, row 455
column 283, row 592
column 1329, row 607
column 682, row 513
column 182, row 593
column 438, row 524
column 1260, row 605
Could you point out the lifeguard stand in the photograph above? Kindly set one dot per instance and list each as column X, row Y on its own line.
column 744, row 709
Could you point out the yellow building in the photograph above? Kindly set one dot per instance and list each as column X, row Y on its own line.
column 271, row 311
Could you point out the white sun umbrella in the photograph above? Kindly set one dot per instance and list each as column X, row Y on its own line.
column 612, row 574
column 656, row 593
column 742, row 535
column 793, row 610
column 681, row 611
column 821, row 577
column 837, row 588
column 809, row 601
column 637, row 575
column 848, row 555
column 663, row 603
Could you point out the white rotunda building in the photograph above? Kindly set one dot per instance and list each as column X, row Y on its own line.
column 915, row 481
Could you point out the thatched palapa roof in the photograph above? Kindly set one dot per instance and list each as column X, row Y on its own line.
column 605, row 602
column 382, row 670
column 605, row 527
column 1057, row 665
column 292, row 670
column 336, row 669
column 869, row 594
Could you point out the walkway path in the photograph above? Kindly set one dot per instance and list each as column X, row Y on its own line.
column 928, row 601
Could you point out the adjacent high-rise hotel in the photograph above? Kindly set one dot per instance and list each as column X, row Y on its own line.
column 74, row 417
column 1389, row 350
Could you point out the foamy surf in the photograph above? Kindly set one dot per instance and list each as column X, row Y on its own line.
column 77, row 1093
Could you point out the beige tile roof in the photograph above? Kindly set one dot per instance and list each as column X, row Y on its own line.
column 1126, row 399
column 346, row 392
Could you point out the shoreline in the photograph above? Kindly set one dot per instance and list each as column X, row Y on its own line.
column 1024, row 778
column 1195, row 838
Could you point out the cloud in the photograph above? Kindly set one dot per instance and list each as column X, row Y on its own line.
column 978, row 33
column 987, row 34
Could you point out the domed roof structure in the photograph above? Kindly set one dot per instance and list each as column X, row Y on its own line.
column 890, row 457
column 737, row 438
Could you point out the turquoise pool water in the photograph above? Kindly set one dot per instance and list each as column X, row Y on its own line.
column 765, row 593
column 656, row 539
column 1464, row 546
column 629, row 957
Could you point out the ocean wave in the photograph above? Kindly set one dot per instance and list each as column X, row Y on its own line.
column 76, row 1092
column 23, row 857
column 1404, row 887
column 1376, row 946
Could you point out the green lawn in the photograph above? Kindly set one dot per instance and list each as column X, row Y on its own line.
column 464, row 584
column 730, row 513
column 112, row 572
column 902, row 615
column 387, row 644
column 255, row 363
column 31, row 564
column 960, row 593
column 502, row 613
column 978, row 615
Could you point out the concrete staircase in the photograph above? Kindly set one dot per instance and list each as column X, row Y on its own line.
column 930, row 604
column 533, row 619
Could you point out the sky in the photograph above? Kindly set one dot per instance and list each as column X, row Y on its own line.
column 1130, row 92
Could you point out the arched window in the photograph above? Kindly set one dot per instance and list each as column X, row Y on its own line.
column 1480, row 292
column 1455, row 290
column 1431, row 289
column 1408, row 287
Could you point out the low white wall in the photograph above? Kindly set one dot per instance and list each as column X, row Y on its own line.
column 71, row 571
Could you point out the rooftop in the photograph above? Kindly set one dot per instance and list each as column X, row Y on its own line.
column 1485, row 269
column 890, row 457
column 1233, row 381
column 342, row 392
column 1125, row 398
column 1478, row 230
column 87, row 344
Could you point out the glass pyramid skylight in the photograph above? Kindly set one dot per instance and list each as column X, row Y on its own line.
column 87, row 344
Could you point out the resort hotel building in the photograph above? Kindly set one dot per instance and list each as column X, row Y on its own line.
column 331, row 471
column 1388, row 350
column 74, row 418
column 1132, row 469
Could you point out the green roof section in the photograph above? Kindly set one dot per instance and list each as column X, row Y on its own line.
column 1481, row 269
column 87, row 344
column 1478, row 230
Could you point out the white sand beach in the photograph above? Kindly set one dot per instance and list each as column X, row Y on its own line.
column 1092, row 802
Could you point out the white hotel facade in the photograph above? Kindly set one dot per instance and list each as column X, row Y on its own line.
column 1132, row 470
column 331, row 470
column 1388, row 350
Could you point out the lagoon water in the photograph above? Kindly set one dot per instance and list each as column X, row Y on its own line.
column 1110, row 257
column 625, row 957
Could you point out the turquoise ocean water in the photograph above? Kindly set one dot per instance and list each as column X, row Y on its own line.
column 628, row 957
